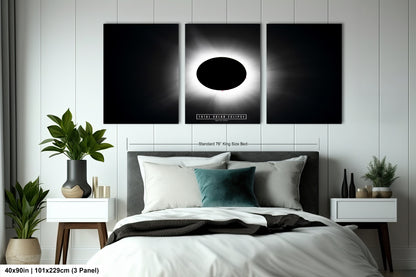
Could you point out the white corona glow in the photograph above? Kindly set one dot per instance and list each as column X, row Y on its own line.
column 246, row 90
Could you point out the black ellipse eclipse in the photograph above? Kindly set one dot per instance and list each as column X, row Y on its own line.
column 221, row 73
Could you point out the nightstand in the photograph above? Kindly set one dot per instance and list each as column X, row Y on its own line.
column 368, row 213
column 79, row 213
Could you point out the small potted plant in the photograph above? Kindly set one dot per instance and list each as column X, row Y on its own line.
column 382, row 175
column 76, row 143
column 25, row 205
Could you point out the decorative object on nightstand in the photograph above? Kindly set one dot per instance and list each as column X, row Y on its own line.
column 100, row 191
column 382, row 192
column 76, row 144
column 106, row 192
column 368, row 214
column 25, row 206
column 94, row 186
column 361, row 193
column 382, row 175
column 369, row 189
column 344, row 186
column 351, row 188
column 76, row 185
column 79, row 213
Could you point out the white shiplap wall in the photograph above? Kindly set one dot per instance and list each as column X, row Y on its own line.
column 59, row 66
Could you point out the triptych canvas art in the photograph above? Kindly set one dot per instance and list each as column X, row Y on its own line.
column 222, row 73
column 234, row 95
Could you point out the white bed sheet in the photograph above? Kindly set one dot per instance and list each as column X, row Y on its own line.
column 328, row 251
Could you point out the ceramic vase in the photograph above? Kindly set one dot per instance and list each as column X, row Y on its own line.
column 382, row 192
column 344, row 186
column 23, row 251
column 369, row 189
column 361, row 193
column 76, row 185
column 351, row 188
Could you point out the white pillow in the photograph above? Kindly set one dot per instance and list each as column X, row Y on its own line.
column 181, row 160
column 276, row 183
column 172, row 186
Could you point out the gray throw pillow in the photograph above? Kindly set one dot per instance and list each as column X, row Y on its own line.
column 276, row 183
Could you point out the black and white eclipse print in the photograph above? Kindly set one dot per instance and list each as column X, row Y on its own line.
column 141, row 73
column 304, row 73
column 222, row 73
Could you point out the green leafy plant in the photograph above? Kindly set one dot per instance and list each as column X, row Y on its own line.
column 75, row 143
column 381, row 173
column 25, row 206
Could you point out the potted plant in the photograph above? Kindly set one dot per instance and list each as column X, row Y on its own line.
column 76, row 143
column 25, row 205
column 382, row 175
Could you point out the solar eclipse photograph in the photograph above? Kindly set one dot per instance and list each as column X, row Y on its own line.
column 222, row 65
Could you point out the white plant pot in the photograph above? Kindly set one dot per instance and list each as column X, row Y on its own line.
column 382, row 192
column 23, row 251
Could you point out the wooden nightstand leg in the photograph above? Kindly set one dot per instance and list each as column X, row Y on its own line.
column 384, row 230
column 66, row 242
column 102, row 233
column 59, row 243
column 382, row 247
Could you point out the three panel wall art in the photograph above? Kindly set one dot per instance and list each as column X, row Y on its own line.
column 222, row 73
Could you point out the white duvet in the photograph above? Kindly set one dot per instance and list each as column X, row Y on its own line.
column 329, row 251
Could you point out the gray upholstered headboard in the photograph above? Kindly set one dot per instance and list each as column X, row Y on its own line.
column 309, row 183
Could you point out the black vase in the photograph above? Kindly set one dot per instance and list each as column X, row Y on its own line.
column 344, row 187
column 76, row 185
column 351, row 189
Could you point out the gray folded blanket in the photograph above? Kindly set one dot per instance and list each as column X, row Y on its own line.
column 189, row 227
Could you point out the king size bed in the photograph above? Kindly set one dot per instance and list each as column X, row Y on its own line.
column 229, row 214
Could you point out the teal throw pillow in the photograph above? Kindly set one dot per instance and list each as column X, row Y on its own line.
column 227, row 188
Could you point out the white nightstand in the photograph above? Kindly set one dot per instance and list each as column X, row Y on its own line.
column 368, row 213
column 79, row 213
